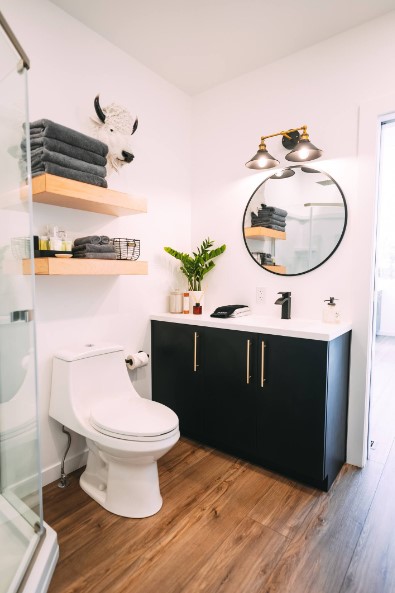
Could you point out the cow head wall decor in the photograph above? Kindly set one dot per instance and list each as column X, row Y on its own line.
column 115, row 127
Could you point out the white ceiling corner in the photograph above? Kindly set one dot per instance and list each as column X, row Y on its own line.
column 198, row 45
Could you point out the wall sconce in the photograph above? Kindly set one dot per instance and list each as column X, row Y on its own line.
column 301, row 149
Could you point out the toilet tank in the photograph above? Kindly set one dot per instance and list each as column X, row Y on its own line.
column 86, row 375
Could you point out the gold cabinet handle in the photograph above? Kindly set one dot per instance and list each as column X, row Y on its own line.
column 263, row 346
column 195, row 339
column 248, row 361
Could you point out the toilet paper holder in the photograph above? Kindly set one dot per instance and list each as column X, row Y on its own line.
column 137, row 360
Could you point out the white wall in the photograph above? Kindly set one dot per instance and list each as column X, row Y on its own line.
column 69, row 65
column 322, row 86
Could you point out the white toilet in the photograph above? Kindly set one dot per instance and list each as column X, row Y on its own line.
column 126, row 434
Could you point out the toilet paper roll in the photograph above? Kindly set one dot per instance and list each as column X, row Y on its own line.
column 136, row 360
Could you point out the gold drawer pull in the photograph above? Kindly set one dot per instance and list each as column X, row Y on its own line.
column 248, row 361
column 195, row 339
column 263, row 346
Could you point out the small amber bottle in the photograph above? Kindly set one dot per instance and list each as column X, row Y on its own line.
column 197, row 309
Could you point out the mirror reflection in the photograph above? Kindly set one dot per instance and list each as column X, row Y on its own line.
column 294, row 220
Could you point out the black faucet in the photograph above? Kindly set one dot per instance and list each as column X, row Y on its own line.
column 285, row 302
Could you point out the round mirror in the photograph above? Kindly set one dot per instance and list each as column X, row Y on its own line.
column 294, row 220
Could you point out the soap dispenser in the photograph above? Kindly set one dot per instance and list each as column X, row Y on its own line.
column 331, row 313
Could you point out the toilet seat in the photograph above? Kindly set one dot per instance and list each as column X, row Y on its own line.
column 134, row 419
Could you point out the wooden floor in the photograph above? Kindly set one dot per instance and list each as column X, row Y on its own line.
column 227, row 526
column 382, row 398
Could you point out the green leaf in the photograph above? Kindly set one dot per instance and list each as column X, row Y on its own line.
column 195, row 267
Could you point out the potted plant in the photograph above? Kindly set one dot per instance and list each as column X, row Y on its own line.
column 197, row 265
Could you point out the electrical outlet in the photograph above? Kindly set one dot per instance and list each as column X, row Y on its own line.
column 260, row 294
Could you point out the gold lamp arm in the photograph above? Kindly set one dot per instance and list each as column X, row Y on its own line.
column 286, row 133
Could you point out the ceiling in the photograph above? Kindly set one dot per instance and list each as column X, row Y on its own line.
column 198, row 44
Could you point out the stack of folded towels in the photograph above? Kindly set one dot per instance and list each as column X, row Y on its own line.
column 94, row 247
column 267, row 259
column 269, row 217
column 64, row 152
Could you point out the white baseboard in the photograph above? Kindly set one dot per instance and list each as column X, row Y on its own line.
column 52, row 473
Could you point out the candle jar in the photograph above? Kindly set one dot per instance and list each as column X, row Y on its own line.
column 176, row 302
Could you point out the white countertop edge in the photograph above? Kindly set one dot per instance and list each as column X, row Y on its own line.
column 308, row 329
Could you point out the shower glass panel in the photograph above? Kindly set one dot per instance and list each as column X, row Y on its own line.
column 21, row 524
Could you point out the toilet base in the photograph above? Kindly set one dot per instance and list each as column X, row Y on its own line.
column 125, row 487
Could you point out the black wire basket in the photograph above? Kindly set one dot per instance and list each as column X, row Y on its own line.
column 126, row 248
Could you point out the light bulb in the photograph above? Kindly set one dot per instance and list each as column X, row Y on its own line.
column 303, row 153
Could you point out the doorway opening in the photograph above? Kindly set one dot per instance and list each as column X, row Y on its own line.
column 382, row 388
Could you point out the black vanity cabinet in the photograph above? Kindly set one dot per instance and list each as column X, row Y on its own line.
column 228, row 368
column 277, row 401
column 176, row 377
column 302, row 402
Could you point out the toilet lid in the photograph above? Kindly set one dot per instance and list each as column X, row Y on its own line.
column 133, row 417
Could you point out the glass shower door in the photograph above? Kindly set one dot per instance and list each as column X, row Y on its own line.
column 21, row 524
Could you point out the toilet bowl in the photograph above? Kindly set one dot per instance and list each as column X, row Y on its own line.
column 126, row 434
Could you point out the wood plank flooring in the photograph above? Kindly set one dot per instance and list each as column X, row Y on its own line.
column 382, row 398
column 227, row 526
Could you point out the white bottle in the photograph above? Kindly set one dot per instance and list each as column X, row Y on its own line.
column 331, row 313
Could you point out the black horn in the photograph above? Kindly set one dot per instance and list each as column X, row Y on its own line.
column 98, row 109
column 136, row 123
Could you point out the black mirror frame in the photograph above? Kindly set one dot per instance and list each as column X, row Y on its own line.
column 333, row 250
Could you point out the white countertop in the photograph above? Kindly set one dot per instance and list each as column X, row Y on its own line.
column 309, row 329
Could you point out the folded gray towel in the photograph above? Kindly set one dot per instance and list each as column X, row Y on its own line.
column 262, row 220
column 46, row 127
column 271, row 221
column 95, row 255
column 92, row 240
column 93, row 248
column 68, row 173
column 275, row 210
column 42, row 155
column 276, row 222
column 274, row 227
column 271, row 216
column 63, row 148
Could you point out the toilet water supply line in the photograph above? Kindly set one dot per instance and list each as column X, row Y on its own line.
column 133, row 361
column 64, row 479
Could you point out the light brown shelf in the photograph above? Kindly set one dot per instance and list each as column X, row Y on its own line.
column 67, row 193
column 54, row 266
column 277, row 269
column 261, row 232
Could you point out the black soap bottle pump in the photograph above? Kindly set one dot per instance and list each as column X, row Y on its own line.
column 331, row 313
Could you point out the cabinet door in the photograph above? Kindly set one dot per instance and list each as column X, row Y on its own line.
column 176, row 375
column 229, row 374
column 292, row 404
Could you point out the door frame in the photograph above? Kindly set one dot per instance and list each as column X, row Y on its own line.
column 364, row 230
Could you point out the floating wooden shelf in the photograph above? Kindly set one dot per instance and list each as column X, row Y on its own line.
column 261, row 232
column 54, row 266
column 59, row 191
column 277, row 269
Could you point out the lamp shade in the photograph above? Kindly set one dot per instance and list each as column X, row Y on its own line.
column 304, row 151
column 262, row 160
column 283, row 174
